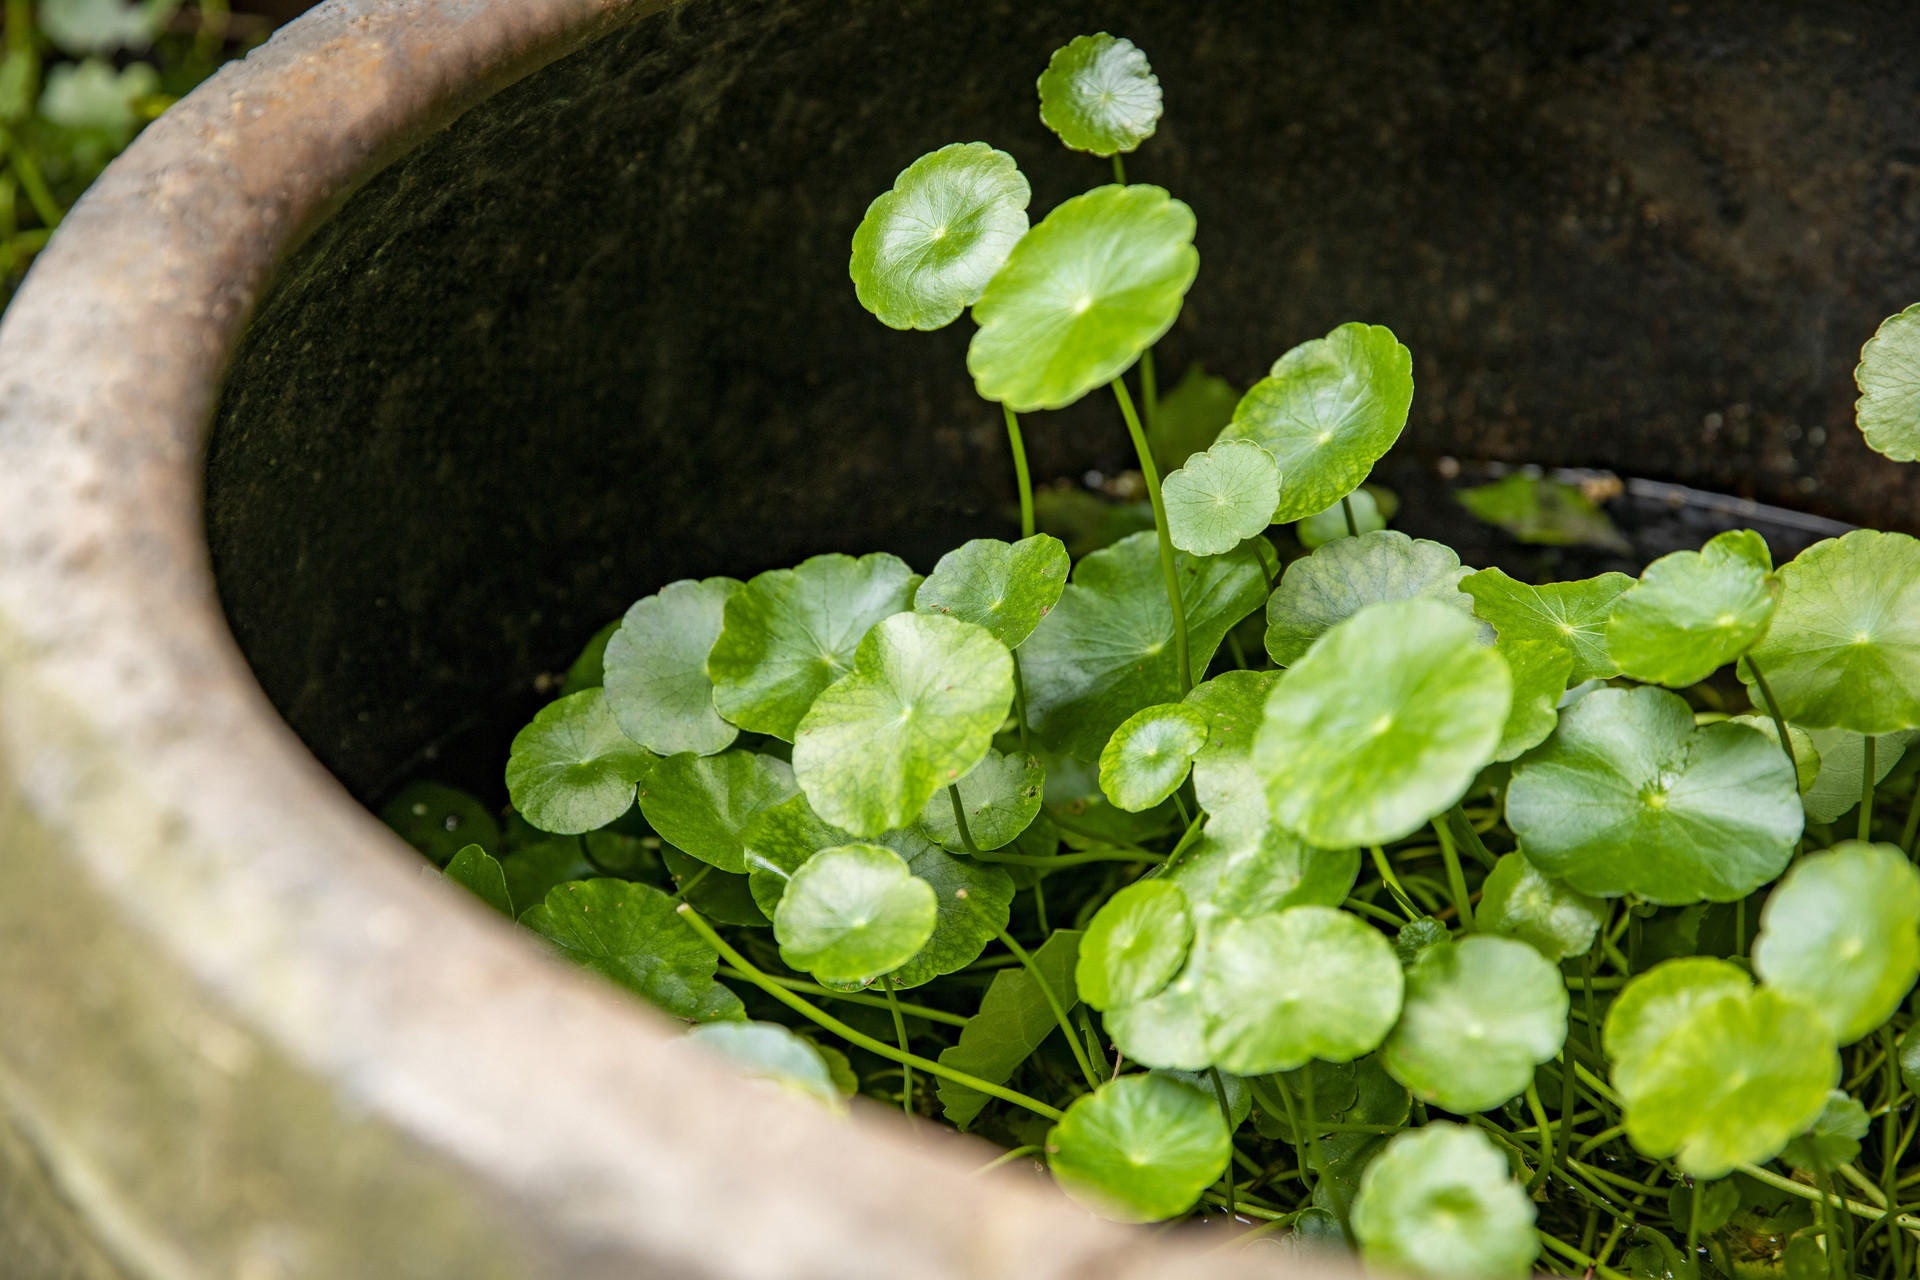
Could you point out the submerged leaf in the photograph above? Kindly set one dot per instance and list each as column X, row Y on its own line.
column 1627, row 796
column 655, row 669
column 1328, row 411
column 1134, row 944
column 1139, row 1148
column 853, row 913
column 1346, row 575
column 1520, row 901
column 1095, row 284
column 1573, row 614
column 1221, row 497
column 916, row 714
column 769, row 1051
column 1480, row 1015
column 1841, row 931
column 928, row 246
column 1005, row 587
column 789, row 633
column 1014, row 1019
column 1889, row 380
column 1440, row 1202
column 699, row 804
column 631, row 934
column 1383, row 723
column 1149, row 755
column 1691, row 613
column 571, row 769
column 1099, row 94
column 1001, row 795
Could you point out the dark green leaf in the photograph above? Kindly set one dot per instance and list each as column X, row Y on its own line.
column 1834, row 1137
column 1014, row 1018
column 700, row 804
column 1345, row 576
column 1001, row 795
column 1190, row 417
column 532, row 872
column 631, row 934
column 440, row 821
column 1544, row 512
column 718, row 895
column 475, row 870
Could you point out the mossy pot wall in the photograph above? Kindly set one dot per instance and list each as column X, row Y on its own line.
column 384, row 369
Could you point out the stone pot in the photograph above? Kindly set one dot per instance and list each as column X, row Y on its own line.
column 386, row 367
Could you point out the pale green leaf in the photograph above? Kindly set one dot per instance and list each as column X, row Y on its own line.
column 853, row 913
column 1346, row 575
column 1657, row 1004
column 1326, row 526
column 1520, row 901
column 1841, row 931
column 1139, row 1148
column 769, row 1051
column 1839, row 759
column 1135, row 943
column 1099, row 94
column 1480, row 1014
column 1149, row 755
column 655, row 669
column 928, row 246
column 1221, row 497
column 1001, row 796
column 1833, row 1139
column 1005, row 587
column 1889, row 380
column 1691, row 613
column 1540, row 669
column 571, row 769
column 1440, row 1201
column 1570, row 613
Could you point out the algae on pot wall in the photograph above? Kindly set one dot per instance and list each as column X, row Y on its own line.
column 1343, row 893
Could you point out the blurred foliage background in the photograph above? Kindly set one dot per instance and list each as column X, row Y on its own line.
column 80, row 78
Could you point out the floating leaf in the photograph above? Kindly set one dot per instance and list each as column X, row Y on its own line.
column 1005, row 587
column 439, row 820
column 789, row 633
column 1139, row 1148
column 631, row 934
column 655, row 669
column 475, row 870
column 1889, row 380
column 1690, row 614
column 1552, row 917
column 1480, row 1014
column 853, row 913
column 1440, row 1202
column 1627, row 796
column 1570, row 613
column 1345, row 576
column 1308, row 982
column 699, row 804
column 928, row 246
column 1833, row 1139
column 1107, row 649
column 1841, row 931
column 1099, row 94
column 1844, row 648
column 572, row 770
column 1221, row 497
column 1001, row 795
column 1806, row 759
column 769, row 1051
column 1540, row 669
column 1658, row 1004
column 1148, row 756
column 1190, row 416
column 1839, row 758
column 1014, row 1019
column 1543, row 512
column 915, row 715
column 1383, row 723
column 1327, row 526
column 1097, row 282
column 1328, row 410
column 1134, row 945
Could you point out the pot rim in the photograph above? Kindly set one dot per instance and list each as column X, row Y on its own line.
column 132, row 731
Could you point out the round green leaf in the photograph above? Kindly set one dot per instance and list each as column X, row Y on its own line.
column 1806, row 758
column 1552, row 917
column 1005, row 587
column 1284, row 988
column 927, row 247
column 1148, row 756
column 1839, row 758
column 1326, row 526
column 1139, row 1148
column 1440, row 1201
column 1383, row 723
column 571, row 769
column 1573, row 614
column 1691, row 613
column 632, row 935
column 1133, row 945
column 1221, row 497
column 1107, row 649
column 1480, row 1015
column 769, row 1051
column 1091, row 287
column 1889, row 380
column 1844, row 648
column 1627, row 796
column 790, row 633
column 917, row 713
column 1658, row 1003
column 1328, row 411
column 1834, row 1138
column 1099, row 94
column 1841, row 932
column 1001, row 795
column 1732, row 1083
column 655, row 669
column 853, row 913
column 475, row 870
column 440, row 820
column 1540, row 669
column 1346, row 575
column 1226, row 877
column 699, row 804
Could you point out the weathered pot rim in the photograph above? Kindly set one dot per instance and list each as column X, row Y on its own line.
column 135, row 734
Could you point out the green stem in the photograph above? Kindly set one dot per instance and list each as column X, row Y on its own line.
column 1182, row 648
column 1889, row 1136
column 1128, row 854
column 693, row 882
column 853, row 997
column 1046, row 989
column 1580, row 1259
column 1020, row 473
column 1693, row 1222
column 1805, row 1192
column 960, row 817
column 1393, row 884
column 1119, row 170
column 1149, row 390
column 1040, row 906
column 1007, row 1157
column 821, row 1018
column 1913, row 818
column 1313, row 1122
column 1353, row 526
column 1226, row 1118
column 1866, row 788
column 1020, row 701
column 1463, row 831
column 1456, row 878
column 35, row 186
column 900, row 1034
column 1773, row 709
column 1088, row 833
column 1368, row 909
column 1544, row 1129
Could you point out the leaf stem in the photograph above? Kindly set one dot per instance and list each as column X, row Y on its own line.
column 1128, row 854
column 1913, row 818
column 852, row 997
column 1465, row 832
column 1119, row 170
column 1393, row 884
column 822, row 1018
column 1020, row 472
column 1182, row 647
column 1544, row 1126
column 960, row 819
column 900, row 1034
column 1580, row 1259
column 1773, row 709
column 1313, row 1122
column 1149, row 390
column 1046, row 988
column 1791, row 1187
column 1456, row 878
column 1353, row 526
column 1006, row 1157
column 1226, row 1118
column 1889, row 1134
column 1866, row 787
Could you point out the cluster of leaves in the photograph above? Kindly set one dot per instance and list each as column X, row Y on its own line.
column 1481, row 918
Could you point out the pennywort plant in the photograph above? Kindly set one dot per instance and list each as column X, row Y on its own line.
column 1479, row 925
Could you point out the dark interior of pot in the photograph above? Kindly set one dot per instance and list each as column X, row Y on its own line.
column 599, row 334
